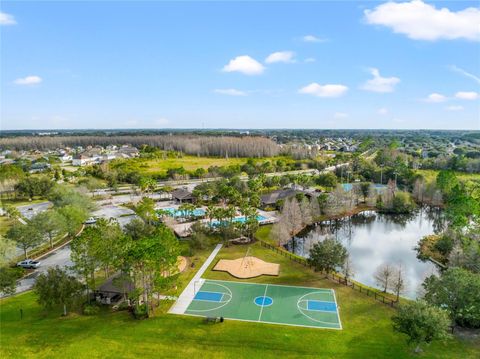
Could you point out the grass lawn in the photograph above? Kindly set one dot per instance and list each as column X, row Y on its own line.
column 5, row 224
column 160, row 166
column 367, row 329
column 431, row 175
column 190, row 163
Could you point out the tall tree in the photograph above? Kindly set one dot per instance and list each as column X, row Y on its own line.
column 146, row 210
column 280, row 233
column 72, row 218
column 83, row 255
column 421, row 322
column 458, row 291
column 291, row 216
column 348, row 270
column 398, row 283
column 7, row 250
column 383, row 276
column 314, row 208
column 48, row 224
column 57, row 287
column 25, row 235
column 328, row 255
column 306, row 212
column 150, row 259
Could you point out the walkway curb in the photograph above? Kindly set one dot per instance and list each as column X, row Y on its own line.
column 184, row 300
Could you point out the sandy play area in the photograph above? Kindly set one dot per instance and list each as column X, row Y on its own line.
column 247, row 267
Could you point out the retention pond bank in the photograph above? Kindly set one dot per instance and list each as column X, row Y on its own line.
column 373, row 239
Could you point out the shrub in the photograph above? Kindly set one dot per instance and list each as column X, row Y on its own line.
column 91, row 309
column 140, row 312
column 444, row 245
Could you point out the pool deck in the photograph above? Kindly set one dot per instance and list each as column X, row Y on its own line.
column 182, row 229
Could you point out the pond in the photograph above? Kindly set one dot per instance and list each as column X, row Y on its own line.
column 373, row 239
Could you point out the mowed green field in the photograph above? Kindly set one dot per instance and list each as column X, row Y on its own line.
column 190, row 163
column 367, row 330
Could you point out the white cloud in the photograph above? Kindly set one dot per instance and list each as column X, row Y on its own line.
column 340, row 115
column 435, row 98
column 382, row 111
column 244, row 64
column 421, row 21
column 313, row 38
column 230, row 92
column 28, row 80
column 7, row 19
column 454, row 108
column 310, row 59
column 329, row 90
column 161, row 121
column 280, row 56
column 465, row 73
column 379, row 83
column 467, row 95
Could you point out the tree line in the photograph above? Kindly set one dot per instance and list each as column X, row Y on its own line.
column 223, row 146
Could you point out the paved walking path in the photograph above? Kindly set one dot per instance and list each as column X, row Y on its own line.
column 184, row 300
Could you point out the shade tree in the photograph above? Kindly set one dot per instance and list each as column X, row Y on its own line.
column 328, row 255
column 57, row 287
column 421, row 322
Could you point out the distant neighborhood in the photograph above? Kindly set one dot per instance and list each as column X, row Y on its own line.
column 77, row 156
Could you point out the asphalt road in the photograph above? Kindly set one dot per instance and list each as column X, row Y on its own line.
column 31, row 210
column 60, row 257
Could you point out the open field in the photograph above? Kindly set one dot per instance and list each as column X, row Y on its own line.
column 431, row 175
column 160, row 166
column 367, row 330
column 190, row 163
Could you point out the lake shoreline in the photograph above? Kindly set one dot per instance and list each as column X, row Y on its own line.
column 373, row 238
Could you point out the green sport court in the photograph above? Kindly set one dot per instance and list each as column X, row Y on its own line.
column 266, row 303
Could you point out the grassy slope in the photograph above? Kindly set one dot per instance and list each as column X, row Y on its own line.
column 367, row 329
column 5, row 224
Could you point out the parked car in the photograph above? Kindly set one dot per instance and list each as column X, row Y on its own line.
column 28, row 264
column 91, row 220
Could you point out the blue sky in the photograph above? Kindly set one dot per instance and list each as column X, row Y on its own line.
column 358, row 64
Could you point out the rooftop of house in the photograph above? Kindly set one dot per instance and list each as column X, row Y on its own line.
column 182, row 193
column 273, row 197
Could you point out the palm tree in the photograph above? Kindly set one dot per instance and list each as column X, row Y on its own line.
column 210, row 213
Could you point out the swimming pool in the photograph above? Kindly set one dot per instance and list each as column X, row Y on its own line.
column 197, row 212
column 347, row 187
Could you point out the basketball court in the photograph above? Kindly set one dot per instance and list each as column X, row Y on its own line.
column 266, row 303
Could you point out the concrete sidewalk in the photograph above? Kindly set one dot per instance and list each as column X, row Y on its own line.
column 184, row 300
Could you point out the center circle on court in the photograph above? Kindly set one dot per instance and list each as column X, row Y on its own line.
column 263, row 301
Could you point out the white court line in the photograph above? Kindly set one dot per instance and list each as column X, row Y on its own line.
column 208, row 300
column 184, row 300
column 338, row 310
column 275, row 323
column 264, row 294
column 323, row 290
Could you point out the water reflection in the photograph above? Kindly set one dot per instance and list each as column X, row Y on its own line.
column 373, row 239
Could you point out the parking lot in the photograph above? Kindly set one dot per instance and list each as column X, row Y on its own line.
column 122, row 214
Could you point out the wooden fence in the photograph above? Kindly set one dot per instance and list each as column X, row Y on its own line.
column 333, row 276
